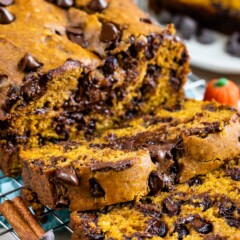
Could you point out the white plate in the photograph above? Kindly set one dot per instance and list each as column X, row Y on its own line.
column 209, row 57
column 213, row 57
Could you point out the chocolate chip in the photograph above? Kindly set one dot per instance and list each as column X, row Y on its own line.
column 214, row 237
column 155, row 183
column 110, row 65
column 149, row 209
column 164, row 17
column 182, row 231
column 68, row 175
column 187, row 27
column 205, row 36
column 170, row 207
column 97, row 5
column 145, row 20
column 29, row 63
column 109, row 33
column 13, row 96
column 96, row 189
column 195, row 181
column 5, row 16
column 234, row 173
column 226, row 207
column 157, row 228
column 3, row 80
column 234, row 222
column 233, row 44
column 106, row 166
column 176, row 19
column 65, row 3
column 203, row 201
column 201, row 226
column 6, row 2
column 174, row 83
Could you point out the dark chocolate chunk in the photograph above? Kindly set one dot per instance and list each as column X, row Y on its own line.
column 5, row 16
column 146, row 20
column 149, row 209
column 155, row 183
column 205, row 36
column 65, row 3
column 187, row 27
column 96, row 189
column 97, row 5
column 137, row 235
column 3, row 80
column 203, row 201
column 234, row 173
column 109, row 33
column 164, row 17
column 159, row 153
column 195, row 181
column 175, row 83
column 184, row 220
column 110, row 65
column 68, row 175
column 6, row 2
column 233, row 222
column 157, row 228
column 214, row 237
column 201, row 226
column 182, row 231
column 49, row 235
column 13, row 96
column 226, row 207
column 34, row 86
column 233, row 44
column 171, row 207
column 106, row 166
column 29, row 63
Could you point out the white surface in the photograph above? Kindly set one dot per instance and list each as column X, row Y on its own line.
column 213, row 57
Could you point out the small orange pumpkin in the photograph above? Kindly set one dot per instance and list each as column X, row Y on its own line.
column 222, row 90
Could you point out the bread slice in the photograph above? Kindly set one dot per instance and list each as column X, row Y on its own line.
column 65, row 71
column 85, row 177
column 206, row 207
column 147, row 155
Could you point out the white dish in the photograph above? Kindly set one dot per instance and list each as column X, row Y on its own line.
column 213, row 57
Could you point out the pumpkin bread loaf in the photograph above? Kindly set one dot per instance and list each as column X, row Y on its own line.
column 222, row 15
column 80, row 66
column 147, row 155
column 206, row 207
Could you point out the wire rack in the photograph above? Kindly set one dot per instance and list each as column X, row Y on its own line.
column 58, row 221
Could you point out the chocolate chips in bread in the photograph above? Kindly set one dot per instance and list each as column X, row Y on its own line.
column 82, row 177
column 207, row 208
column 149, row 154
column 72, row 68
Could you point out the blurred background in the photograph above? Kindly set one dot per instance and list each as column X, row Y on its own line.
column 210, row 30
